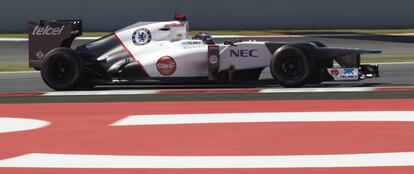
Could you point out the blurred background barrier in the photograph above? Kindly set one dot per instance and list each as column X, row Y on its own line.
column 101, row 15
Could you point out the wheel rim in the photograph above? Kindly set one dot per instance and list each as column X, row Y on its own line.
column 291, row 66
column 62, row 70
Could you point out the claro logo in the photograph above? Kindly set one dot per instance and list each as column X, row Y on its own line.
column 166, row 65
column 47, row 31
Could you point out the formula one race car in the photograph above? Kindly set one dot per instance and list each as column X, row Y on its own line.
column 163, row 51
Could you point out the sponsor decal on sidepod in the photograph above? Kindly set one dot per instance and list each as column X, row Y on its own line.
column 244, row 53
column 166, row 65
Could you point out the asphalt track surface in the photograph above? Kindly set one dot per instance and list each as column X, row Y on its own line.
column 291, row 137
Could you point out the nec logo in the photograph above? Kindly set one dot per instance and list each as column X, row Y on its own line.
column 243, row 53
column 48, row 31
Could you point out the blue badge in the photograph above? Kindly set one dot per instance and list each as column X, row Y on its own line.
column 348, row 71
column 141, row 37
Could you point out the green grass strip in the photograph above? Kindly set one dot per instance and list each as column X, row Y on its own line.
column 14, row 67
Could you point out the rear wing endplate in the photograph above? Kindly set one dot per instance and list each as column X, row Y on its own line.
column 47, row 35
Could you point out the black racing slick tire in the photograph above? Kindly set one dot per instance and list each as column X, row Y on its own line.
column 291, row 66
column 62, row 69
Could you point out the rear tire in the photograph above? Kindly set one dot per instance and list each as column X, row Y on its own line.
column 291, row 66
column 62, row 69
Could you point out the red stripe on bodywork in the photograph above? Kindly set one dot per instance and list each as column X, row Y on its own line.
column 130, row 54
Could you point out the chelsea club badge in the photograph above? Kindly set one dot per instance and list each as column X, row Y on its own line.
column 141, row 36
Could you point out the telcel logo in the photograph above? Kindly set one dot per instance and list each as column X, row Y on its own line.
column 48, row 31
column 243, row 53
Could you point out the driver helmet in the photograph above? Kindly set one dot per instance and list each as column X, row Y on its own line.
column 205, row 37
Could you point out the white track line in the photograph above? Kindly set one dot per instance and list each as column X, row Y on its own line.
column 335, row 35
column 109, row 92
column 304, row 90
column 400, row 34
column 13, row 39
column 19, row 72
column 20, row 124
column 403, row 116
column 39, row 160
column 392, row 63
column 264, row 90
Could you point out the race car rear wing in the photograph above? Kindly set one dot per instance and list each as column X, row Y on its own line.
column 47, row 35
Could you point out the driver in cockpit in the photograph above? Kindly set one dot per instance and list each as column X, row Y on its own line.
column 205, row 37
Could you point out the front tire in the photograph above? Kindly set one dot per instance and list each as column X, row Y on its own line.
column 62, row 69
column 291, row 66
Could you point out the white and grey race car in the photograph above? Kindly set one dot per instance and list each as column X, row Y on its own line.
column 163, row 51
